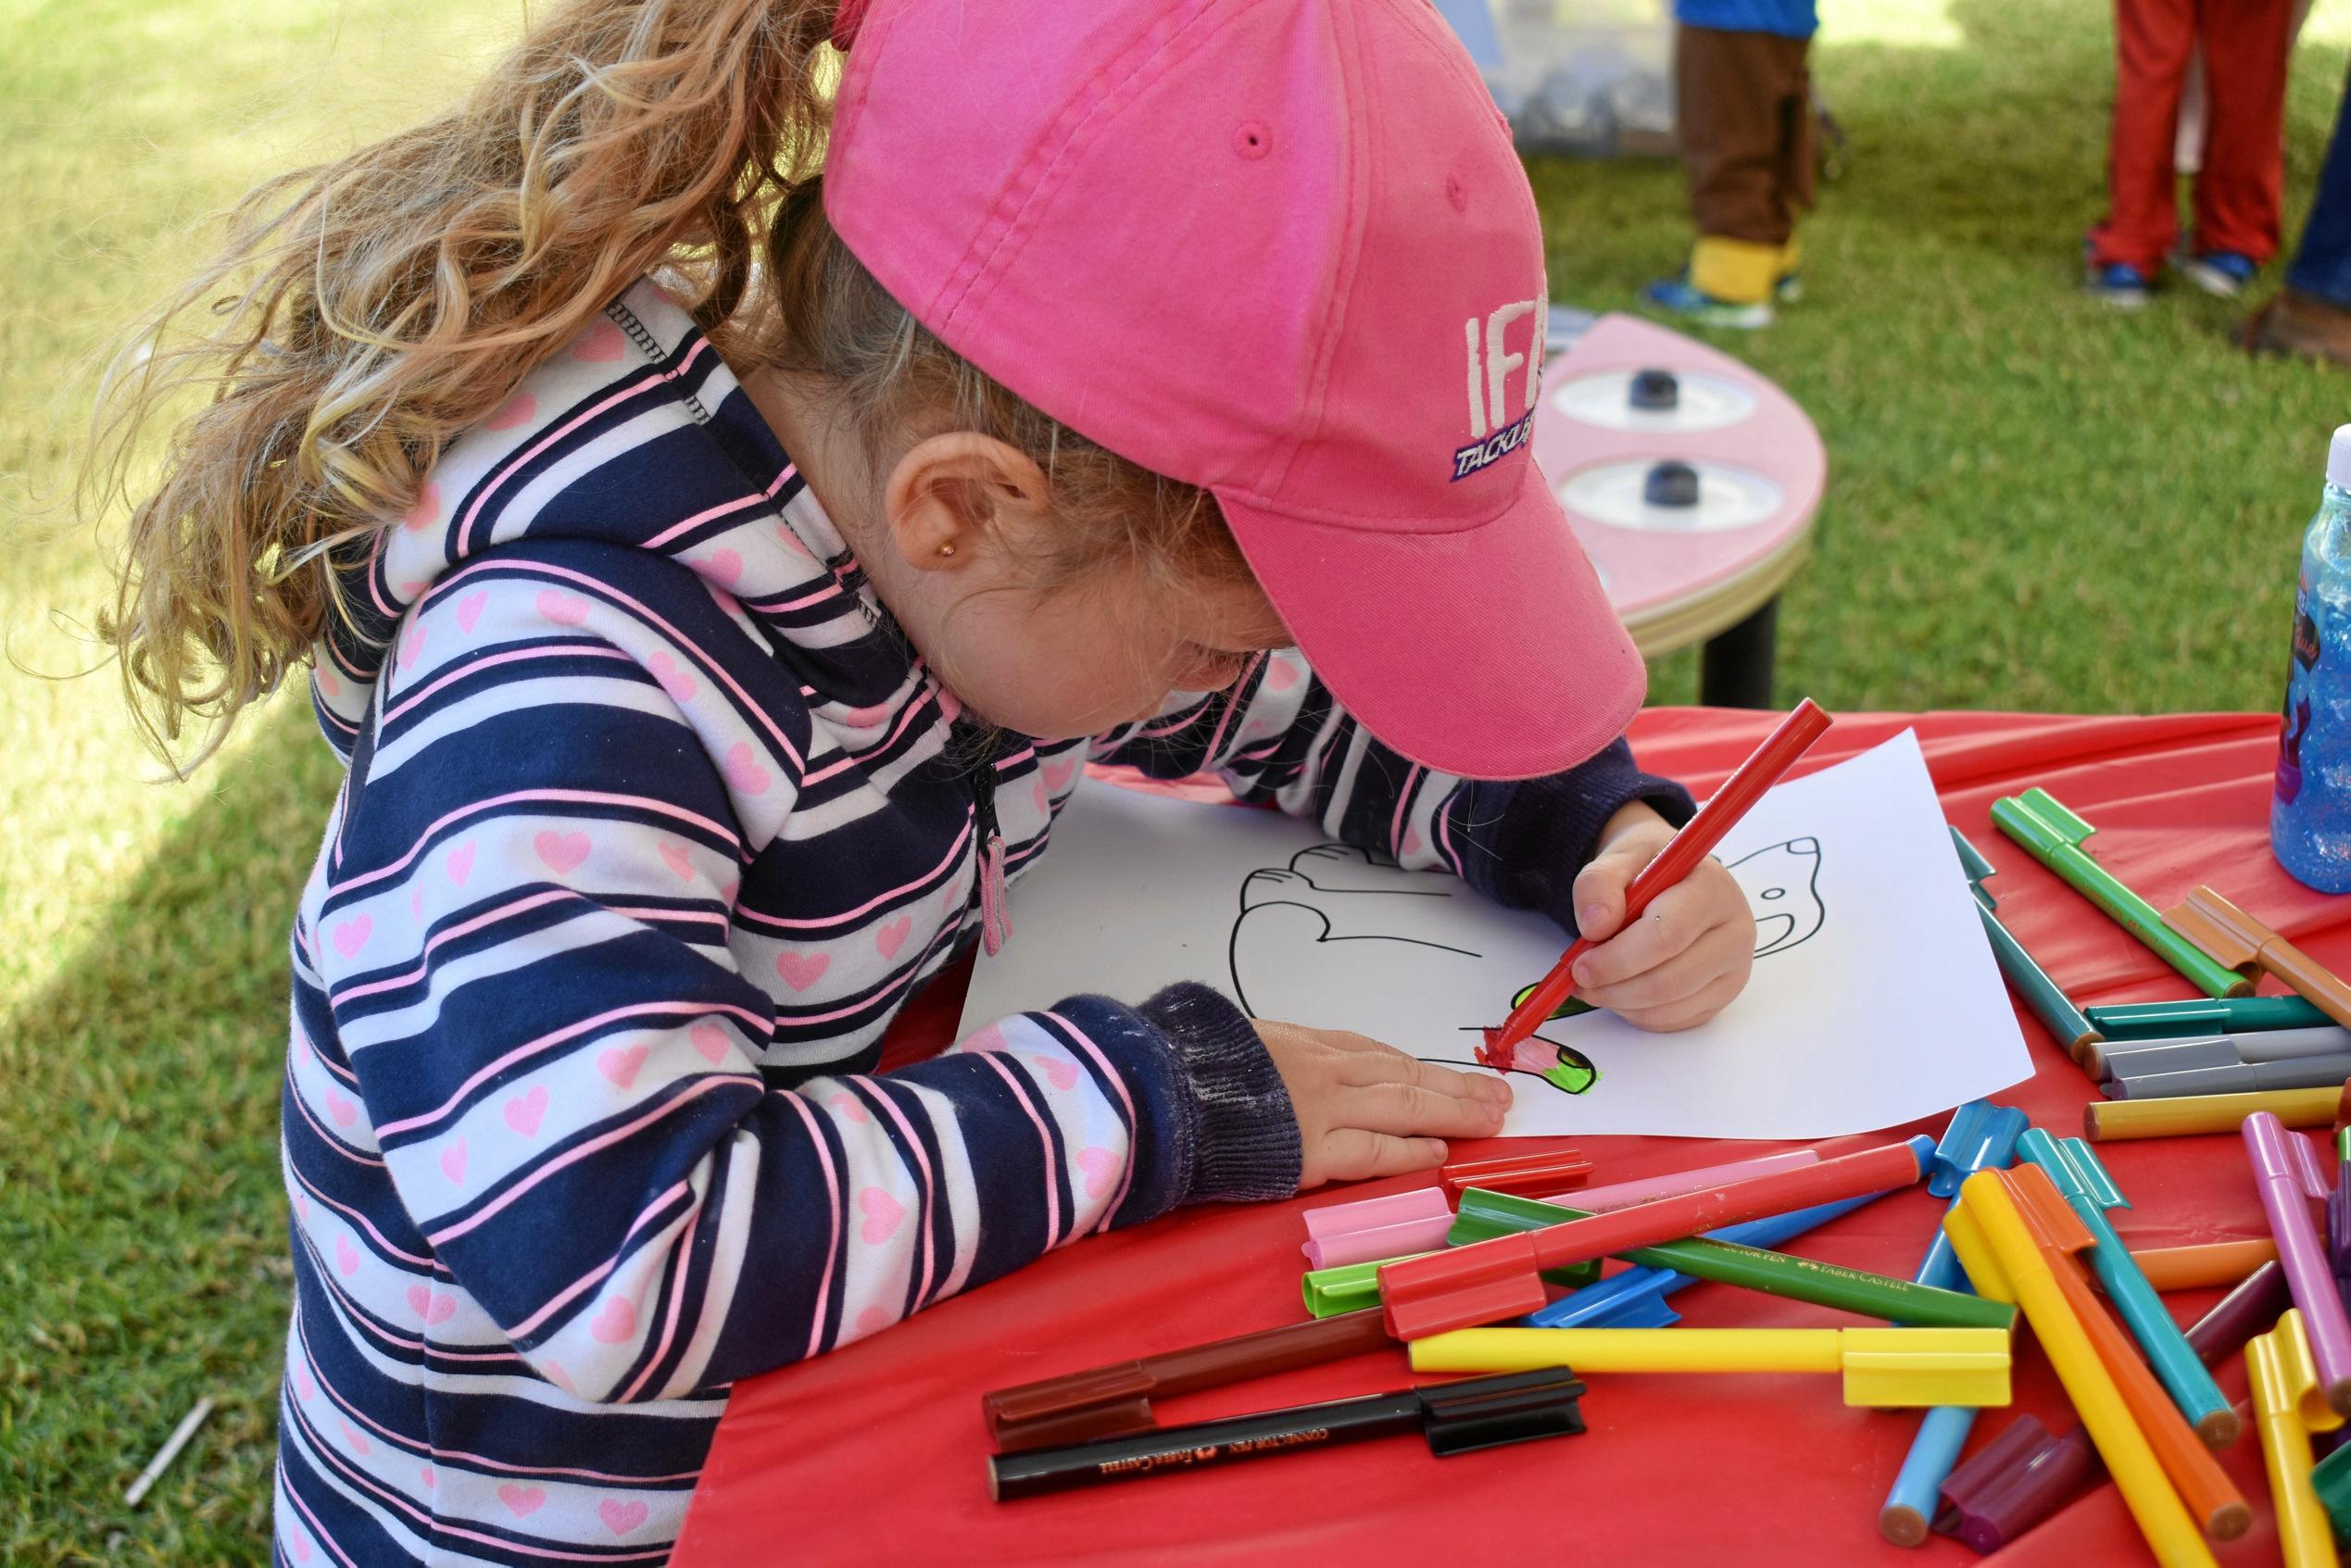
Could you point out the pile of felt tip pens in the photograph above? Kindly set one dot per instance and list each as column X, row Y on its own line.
column 1511, row 1281
column 1496, row 1279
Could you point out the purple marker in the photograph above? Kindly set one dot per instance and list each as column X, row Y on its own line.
column 2290, row 1175
column 2018, row 1479
column 2024, row 1474
column 2339, row 1216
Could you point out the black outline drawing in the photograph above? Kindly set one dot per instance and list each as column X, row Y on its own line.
column 1328, row 869
column 1790, row 936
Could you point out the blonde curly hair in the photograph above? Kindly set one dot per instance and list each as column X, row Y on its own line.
column 363, row 314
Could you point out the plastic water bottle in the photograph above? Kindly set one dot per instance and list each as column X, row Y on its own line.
column 2310, row 819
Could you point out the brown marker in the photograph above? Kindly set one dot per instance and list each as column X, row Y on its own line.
column 1105, row 1401
column 2244, row 943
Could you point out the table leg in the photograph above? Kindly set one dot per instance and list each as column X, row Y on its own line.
column 1734, row 668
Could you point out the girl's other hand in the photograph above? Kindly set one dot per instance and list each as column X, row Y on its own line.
column 1366, row 1109
column 1690, row 953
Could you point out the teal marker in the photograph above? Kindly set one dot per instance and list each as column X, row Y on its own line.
column 2076, row 1174
column 2205, row 1015
column 2053, row 1006
column 2054, row 835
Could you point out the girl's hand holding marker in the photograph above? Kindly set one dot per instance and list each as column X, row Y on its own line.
column 1689, row 953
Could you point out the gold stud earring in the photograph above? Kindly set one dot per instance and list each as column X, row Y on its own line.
column 947, row 550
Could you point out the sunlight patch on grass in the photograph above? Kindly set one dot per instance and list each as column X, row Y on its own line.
column 1909, row 24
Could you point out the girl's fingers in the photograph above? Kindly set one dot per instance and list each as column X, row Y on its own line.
column 1355, row 1154
column 1384, row 1065
column 1599, row 892
column 1720, row 951
column 1411, row 1109
column 1674, row 920
column 1691, row 1012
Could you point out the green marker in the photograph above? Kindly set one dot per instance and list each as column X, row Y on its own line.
column 2076, row 1171
column 2053, row 836
column 1484, row 1215
column 2205, row 1015
column 2053, row 1006
column 1347, row 1287
column 2331, row 1481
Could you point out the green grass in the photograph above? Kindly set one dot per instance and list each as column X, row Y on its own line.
column 2032, row 504
column 143, row 926
column 2033, row 501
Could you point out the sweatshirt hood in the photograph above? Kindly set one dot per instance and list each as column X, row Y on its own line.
column 638, row 435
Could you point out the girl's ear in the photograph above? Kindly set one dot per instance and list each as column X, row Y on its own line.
column 952, row 495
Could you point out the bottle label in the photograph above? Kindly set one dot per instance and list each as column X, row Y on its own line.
column 2294, row 725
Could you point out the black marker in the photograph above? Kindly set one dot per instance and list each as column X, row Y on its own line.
column 1478, row 1413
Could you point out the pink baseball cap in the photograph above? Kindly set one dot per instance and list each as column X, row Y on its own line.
column 1283, row 250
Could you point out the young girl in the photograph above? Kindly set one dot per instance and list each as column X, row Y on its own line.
column 707, row 654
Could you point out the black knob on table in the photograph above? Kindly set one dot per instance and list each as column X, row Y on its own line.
column 1655, row 390
column 1670, row 483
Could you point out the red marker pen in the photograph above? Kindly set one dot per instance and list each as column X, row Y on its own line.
column 1676, row 861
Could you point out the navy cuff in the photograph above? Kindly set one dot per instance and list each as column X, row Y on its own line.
column 1244, row 1141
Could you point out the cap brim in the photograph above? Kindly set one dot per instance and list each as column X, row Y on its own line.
column 1490, row 652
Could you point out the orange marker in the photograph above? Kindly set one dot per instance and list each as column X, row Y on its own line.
column 2189, row 1268
column 1676, row 861
column 2244, row 943
column 2211, row 1498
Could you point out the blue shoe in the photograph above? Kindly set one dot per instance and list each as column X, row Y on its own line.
column 2222, row 273
column 2119, row 284
column 1788, row 288
column 1676, row 296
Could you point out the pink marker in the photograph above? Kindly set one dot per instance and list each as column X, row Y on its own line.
column 1618, row 1195
column 1399, row 1225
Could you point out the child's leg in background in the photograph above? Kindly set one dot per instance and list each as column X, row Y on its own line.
column 2237, row 190
column 1799, row 159
column 1741, row 97
column 2312, row 314
column 2322, row 261
column 2151, row 41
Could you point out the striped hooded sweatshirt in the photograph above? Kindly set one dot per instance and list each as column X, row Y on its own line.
column 653, row 819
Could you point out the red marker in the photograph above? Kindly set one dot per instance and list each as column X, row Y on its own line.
column 1489, row 1280
column 1676, row 861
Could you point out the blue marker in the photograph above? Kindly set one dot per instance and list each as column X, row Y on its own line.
column 1636, row 1299
column 1982, row 1137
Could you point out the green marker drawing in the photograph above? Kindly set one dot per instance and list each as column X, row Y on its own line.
column 1567, row 1009
column 1560, row 1066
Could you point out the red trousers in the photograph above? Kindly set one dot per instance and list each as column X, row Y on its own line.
column 2236, row 194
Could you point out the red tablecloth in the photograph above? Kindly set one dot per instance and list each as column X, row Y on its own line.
column 875, row 1450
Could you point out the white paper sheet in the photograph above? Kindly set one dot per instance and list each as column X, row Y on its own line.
column 1875, row 999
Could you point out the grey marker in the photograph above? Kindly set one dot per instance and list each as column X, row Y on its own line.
column 2139, row 1058
column 2306, row 1072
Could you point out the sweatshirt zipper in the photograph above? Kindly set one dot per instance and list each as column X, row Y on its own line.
column 996, row 922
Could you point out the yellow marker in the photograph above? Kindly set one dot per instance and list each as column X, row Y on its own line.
column 2104, row 1121
column 1882, row 1366
column 2004, row 1264
column 2289, row 1405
